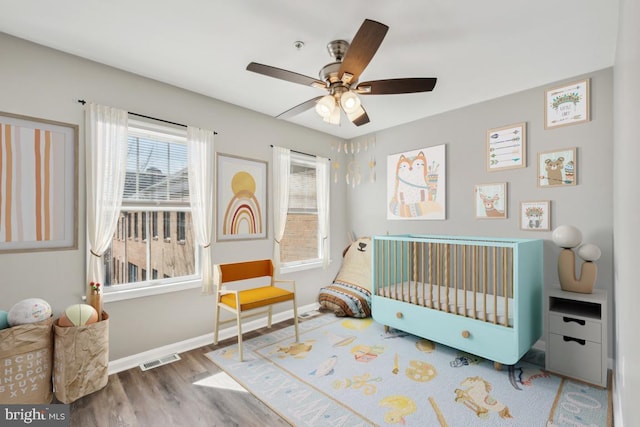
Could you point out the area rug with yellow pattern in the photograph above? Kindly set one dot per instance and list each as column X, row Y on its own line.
column 351, row 372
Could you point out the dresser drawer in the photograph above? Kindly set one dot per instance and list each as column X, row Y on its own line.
column 581, row 360
column 575, row 327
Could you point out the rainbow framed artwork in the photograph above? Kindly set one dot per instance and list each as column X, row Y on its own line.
column 241, row 198
column 38, row 184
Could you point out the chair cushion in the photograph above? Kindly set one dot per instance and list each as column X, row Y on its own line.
column 258, row 297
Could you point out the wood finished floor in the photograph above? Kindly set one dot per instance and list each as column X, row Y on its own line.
column 166, row 396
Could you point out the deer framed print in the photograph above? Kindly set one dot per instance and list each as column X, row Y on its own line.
column 416, row 187
column 535, row 216
column 557, row 168
column 39, row 177
column 490, row 200
column 567, row 104
column 241, row 198
column 507, row 147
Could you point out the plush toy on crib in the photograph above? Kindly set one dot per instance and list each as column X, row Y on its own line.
column 569, row 237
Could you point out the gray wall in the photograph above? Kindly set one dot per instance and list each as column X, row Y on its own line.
column 588, row 205
column 627, row 205
column 44, row 83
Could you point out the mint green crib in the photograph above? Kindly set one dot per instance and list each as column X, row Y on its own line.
column 479, row 295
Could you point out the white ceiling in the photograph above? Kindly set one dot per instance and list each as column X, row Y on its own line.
column 478, row 50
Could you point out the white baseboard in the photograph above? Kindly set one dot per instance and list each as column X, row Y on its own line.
column 135, row 360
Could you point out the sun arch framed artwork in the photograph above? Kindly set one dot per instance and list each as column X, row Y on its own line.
column 416, row 187
column 241, row 203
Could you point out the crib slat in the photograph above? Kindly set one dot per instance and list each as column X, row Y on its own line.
column 446, row 276
column 484, row 283
column 455, row 278
column 422, row 264
column 464, row 278
column 431, row 278
column 505, row 290
column 495, row 284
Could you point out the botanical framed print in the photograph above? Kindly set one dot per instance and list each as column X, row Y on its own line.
column 241, row 198
column 507, row 147
column 557, row 168
column 490, row 200
column 567, row 104
column 535, row 215
column 39, row 184
column 416, row 186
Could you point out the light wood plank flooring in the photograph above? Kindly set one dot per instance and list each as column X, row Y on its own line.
column 166, row 396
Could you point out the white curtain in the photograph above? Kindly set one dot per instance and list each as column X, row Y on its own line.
column 281, row 170
column 200, row 154
column 322, row 192
column 106, row 163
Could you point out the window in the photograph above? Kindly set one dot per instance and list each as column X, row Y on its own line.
column 301, row 243
column 156, row 181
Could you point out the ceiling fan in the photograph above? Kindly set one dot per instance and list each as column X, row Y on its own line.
column 340, row 78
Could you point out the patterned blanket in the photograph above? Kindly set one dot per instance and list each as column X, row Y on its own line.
column 344, row 299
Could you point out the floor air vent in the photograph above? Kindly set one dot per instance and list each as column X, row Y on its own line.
column 159, row 362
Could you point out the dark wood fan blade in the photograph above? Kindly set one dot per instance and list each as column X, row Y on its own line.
column 359, row 117
column 281, row 74
column 395, row 86
column 364, row 45
column 299, row 108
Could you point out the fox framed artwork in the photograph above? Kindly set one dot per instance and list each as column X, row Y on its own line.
column 416, row 186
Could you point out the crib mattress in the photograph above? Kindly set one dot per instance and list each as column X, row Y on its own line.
column 486, row 308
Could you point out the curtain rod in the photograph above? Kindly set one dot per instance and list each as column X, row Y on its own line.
column 83, row 102
column 300, row 152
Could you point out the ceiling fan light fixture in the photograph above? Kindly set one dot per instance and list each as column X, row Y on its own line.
column 334, row 117
column 325, row 106
column 350, row 102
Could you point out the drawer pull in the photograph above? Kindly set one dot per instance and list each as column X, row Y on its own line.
column 579, row 341
column 580, row 322
column 466, row 334
column 399, row 315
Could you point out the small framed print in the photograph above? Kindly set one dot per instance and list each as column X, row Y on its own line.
column 507, row 147
column 567, row 104
column 557, row 168
column 490, row 201
column 535, row 215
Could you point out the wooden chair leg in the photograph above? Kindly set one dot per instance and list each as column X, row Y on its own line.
column 295, row 319
column 215, row 331
column 270, row 311
column 238, row 317
column 239, row 321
